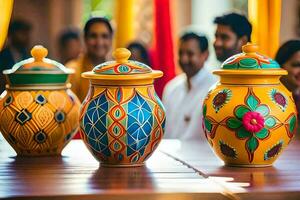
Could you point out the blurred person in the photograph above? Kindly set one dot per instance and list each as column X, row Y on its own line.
column 139, row 53
column 183, row 96
column 69, row 44
column 233, row 31
column 288, row 57
column 17, row 49
column 98, row 34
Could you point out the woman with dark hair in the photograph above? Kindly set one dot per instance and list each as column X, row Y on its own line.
column 288, row 56
column 139, row 53
column 69, row 44
column 98, row 34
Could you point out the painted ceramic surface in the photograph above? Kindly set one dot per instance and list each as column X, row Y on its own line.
column 131, row 67
column 249, row 124
column 38, row 117
column 122, row 124
column 39, row 122
column 122, row 66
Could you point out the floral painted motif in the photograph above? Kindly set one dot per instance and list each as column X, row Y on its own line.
column 273, row 151
column 291, row 125
column 252, row 122
column 221, row 99
column 227, row 150
column 206, row 124
column 279, row 99
column 209, row 125
column 259, row 119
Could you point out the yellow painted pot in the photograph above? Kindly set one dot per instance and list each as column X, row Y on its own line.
column 122, row 119
column 39, row 114
column 249, row 117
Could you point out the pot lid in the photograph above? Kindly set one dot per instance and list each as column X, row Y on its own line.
column 37, row 70
column 38, row 64
column 122, row 68
column 122, row 65
column 249, row 59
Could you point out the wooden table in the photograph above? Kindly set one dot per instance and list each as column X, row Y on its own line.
column 175, row 171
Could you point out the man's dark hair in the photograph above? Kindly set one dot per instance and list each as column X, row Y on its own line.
column 140, row 47
column 239, row 24
column 67, row 35
column 202, row 40
column 19, row 25
column 95, row 20
column 287, row 50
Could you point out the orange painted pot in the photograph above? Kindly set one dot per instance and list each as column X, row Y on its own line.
column 39, row 113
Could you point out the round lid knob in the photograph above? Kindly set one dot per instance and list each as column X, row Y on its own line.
column 250, row 48
column 39, row 52
column 121, row 55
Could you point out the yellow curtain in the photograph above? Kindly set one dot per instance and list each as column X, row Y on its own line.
column 265, row 18
column 124, row 15
column 6, row 7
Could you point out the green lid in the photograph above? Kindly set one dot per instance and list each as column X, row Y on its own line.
column 249, row 60
column 37, row 70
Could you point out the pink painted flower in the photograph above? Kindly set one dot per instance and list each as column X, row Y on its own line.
column 253, row 121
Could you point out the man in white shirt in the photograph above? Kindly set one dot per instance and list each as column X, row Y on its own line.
column 183, row 96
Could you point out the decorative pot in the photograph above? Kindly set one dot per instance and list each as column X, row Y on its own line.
column 39, row 114
column 249, row 117
column 122, row 119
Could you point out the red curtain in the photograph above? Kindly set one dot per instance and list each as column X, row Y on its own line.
column 162, row 55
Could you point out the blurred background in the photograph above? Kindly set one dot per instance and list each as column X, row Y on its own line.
column 158, row 23
column 50, row 17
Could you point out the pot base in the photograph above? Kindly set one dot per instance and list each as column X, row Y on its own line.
column 39, row 154
column 247, row 165
column 121, row 165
